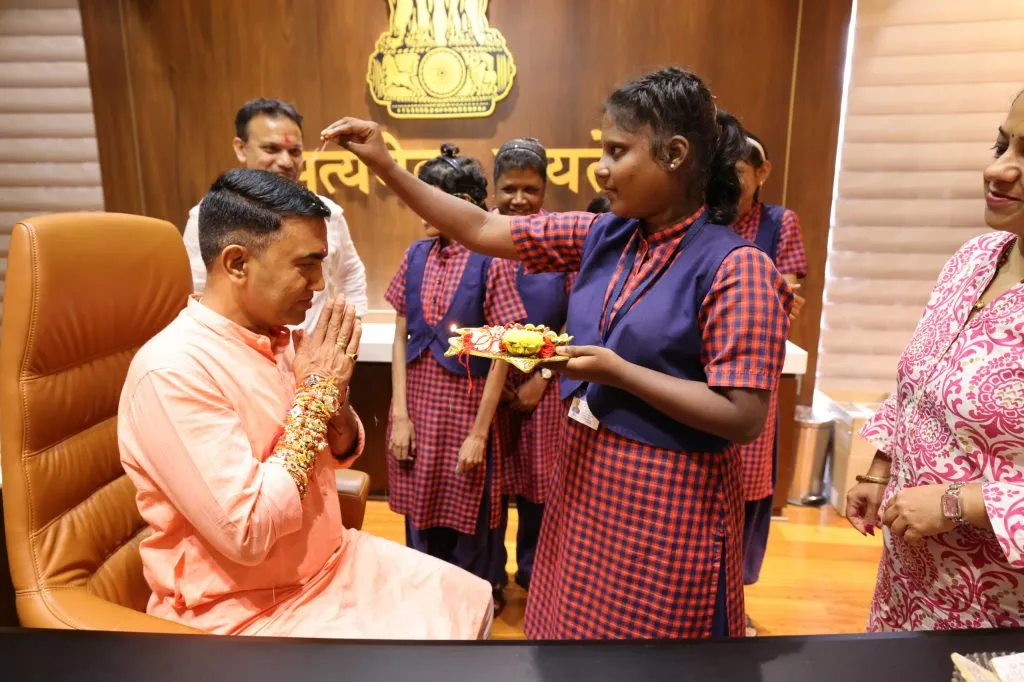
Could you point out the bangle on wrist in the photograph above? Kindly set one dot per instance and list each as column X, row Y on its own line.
column 877, row 480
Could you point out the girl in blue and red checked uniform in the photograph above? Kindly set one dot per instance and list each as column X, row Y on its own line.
column 776, row 231
column 682, row 327
column 532, row 417
column 441, row 414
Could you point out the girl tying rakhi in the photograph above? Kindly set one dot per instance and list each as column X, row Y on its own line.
column 682, row 327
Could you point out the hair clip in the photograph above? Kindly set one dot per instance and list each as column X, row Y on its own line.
column 530, row 150
column 451, row 162
column 757, row 145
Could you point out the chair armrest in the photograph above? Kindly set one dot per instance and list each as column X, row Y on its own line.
column 79, row 609
column 353, row 489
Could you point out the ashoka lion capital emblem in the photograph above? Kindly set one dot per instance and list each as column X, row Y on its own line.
column 440, row 59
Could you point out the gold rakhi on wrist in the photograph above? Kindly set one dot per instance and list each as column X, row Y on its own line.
column 305, row 430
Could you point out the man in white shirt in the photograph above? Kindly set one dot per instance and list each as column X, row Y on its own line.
column 268, row 136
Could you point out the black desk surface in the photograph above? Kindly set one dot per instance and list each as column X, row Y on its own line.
column 94, row 656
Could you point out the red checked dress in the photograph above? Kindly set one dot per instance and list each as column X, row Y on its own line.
column 442, row 406
column 632, row 541
column 790, row 259
column 530, row 441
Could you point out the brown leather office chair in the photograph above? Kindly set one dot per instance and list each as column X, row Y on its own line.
column 83, row 292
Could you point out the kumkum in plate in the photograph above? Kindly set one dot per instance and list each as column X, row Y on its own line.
column 524, row 346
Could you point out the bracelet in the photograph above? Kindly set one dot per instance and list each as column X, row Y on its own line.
column 305, row 430
column 878, row 480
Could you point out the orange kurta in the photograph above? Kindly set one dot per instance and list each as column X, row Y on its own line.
column 233, row 548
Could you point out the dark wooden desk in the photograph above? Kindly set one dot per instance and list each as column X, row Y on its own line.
column 58, row 656
column 371, row 399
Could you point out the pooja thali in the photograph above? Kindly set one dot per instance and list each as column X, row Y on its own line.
column 524, row 346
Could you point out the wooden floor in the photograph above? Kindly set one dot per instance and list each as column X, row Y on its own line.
column 817, row 577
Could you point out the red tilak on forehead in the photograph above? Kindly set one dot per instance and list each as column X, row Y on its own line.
column 289, row 140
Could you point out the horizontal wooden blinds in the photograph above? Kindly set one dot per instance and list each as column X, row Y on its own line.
column 48, row 157
column 930, row 82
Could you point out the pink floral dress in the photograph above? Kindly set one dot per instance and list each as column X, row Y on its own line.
column 958, row 415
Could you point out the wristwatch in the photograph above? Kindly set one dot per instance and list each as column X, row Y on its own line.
column 952, row 506
column 546, row 374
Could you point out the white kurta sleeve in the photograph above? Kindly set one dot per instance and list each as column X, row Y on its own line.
column 195, row 258
column 345, row 269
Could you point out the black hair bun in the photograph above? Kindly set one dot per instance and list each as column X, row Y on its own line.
column 449, row 150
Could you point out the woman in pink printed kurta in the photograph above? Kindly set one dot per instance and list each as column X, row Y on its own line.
column 950, row 439
column 958, row 415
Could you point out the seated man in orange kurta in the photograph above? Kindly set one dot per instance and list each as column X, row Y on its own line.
column 231, row 434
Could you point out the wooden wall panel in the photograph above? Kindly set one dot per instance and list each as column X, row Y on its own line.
column 191, row 63
column 113, row 107
column 168, row 75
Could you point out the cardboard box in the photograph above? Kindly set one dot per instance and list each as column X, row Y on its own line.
column 851, row 454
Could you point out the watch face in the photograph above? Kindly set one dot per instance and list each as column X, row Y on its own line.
column 950, row 506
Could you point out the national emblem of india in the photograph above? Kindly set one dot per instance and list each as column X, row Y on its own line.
column 440, row 59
